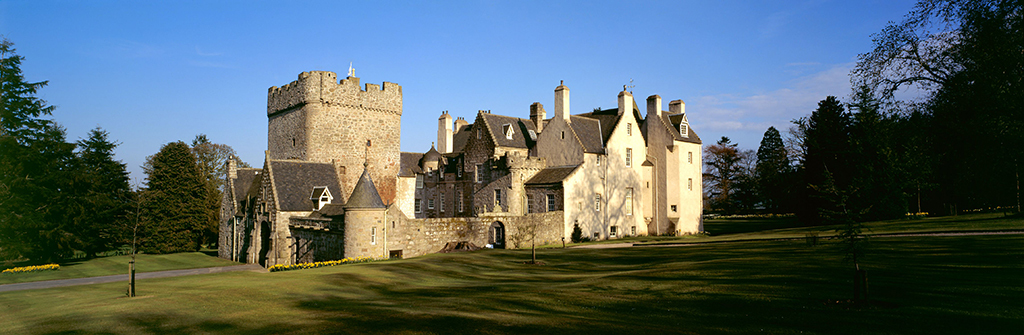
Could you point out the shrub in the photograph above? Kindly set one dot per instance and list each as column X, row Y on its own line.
column 34, row 268
column 577, row 233
column 300, row 266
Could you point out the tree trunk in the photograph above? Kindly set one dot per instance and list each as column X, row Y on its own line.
column 533, row 247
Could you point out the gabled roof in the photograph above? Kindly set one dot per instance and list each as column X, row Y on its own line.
column 551, row 175
column 410, row 164
column 294, row 181
column 673, row 121
column 520, row 135
column 610, row 118
column 364, row 195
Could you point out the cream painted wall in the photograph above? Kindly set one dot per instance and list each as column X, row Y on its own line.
column 690, row 198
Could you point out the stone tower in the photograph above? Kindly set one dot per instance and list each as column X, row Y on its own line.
column 318, row 118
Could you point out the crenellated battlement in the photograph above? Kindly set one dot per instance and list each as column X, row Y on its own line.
column 324, row 87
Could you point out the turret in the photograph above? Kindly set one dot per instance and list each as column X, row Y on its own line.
column 562, row 102
column 538, row 114
column 444, row 133
column 364, row 220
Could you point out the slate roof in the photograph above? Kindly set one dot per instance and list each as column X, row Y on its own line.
column 364, row 195
column 332, row 210
column 410, row 164
column 432, row 155
column 551, row 175
column 521, row 127
column 241, row 184
column 295, row 180
column 461, row 137
column 589, row 132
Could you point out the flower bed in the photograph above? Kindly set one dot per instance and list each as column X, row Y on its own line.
column 33, row 268
column 300, row 266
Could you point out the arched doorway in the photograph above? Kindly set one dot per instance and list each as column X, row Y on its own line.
column 497, row 235
column 264, row 242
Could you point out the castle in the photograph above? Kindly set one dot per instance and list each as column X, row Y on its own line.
column 334, row 183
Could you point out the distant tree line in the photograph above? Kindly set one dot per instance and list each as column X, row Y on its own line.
column 959, row 146
column 58, row 197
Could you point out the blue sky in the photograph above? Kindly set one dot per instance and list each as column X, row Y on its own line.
column 156, row 72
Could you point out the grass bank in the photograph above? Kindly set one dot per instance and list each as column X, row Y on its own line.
column 926, row 285
column 114, row 265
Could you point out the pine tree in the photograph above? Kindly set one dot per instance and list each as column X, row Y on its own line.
column 107, row 195
column 773, row 170
column 828, row 152
column 175, row 201
column 33, row 158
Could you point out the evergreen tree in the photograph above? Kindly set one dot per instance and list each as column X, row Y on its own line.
column 773, row 170
column 33, row 158
column 175, row 201
column 107, row 193
column 828, row 153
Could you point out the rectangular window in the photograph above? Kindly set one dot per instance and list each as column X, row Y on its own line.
column 418, row 203
column 597, row 202
column 597, row 235
column 629, row 201
column 529, row 203
column 673, row 208
column 689, row 157
column 497, row 197
column 441, row 201
column 629, row 157
column 430, row 203
column 461, row 207
column 419, row 181
column 612, row 231
column 551, row 203
column 479, row 173
column 459, row 170
column 373, row 235
column 689, row 183
column 632, row 230
column 598, row 160
column 629, row 129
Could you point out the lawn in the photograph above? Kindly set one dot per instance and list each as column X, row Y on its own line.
column 925, row 285
column 114, row 265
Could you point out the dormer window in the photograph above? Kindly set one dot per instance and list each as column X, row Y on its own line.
column 320, row 196
column 684, row 129
column 508, row 130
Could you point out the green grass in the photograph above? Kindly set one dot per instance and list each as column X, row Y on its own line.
column 780, row 228
column 113, row 265
column 925, row 285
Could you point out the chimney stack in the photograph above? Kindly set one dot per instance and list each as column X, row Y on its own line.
column 625, row 101
column 654, row 106
column 459, row 123
column 537, row 115
column 677, row 107
column 562, row 102
column 444, row 133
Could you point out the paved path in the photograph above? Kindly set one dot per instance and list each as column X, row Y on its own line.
column 683, row 244
column 124, row 277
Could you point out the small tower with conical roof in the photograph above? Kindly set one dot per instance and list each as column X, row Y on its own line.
column 364, row 220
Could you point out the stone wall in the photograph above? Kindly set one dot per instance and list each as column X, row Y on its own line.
column 417, row 237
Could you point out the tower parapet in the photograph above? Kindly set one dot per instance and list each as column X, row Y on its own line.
column 324, row 87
